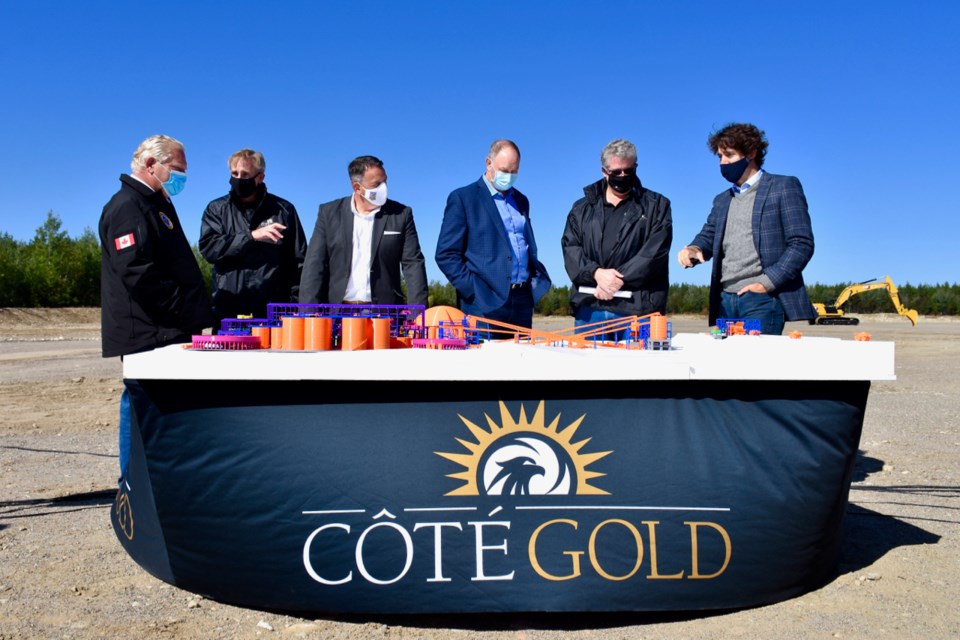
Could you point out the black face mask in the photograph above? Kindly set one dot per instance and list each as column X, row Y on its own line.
column 243, row 187
column 735, row 170
column 622, row 184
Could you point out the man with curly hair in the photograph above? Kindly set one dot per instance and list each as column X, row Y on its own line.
column 759, row 235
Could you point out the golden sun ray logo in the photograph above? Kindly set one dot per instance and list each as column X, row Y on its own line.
column 524, row 457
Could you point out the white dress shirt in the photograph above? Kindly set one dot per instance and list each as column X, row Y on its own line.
column 358, row 284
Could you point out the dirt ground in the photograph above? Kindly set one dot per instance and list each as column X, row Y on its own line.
column 64, row 575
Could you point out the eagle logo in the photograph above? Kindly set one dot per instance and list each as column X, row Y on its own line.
column 524, row 457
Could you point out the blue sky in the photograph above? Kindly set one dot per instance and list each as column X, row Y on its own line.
column 859, row 100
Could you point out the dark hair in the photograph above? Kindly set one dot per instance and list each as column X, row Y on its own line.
column 359, row 166
column 742, row 137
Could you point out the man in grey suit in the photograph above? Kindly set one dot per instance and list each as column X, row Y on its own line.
column 360, row 243
column 758, row 233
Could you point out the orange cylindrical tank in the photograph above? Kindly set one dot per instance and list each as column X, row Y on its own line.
column 353, row 334
column 276, row 337
column 292, row 333
column 658, row 327
column 264, row 334
column 317, row 334
column 381, row 333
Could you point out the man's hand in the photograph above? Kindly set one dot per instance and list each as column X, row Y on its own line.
column 609, row 281
column 690, row 256
column 756, row 287
column 269, row 233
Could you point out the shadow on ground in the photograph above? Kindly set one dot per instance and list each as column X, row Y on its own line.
column 39, row 507
column 869, row 535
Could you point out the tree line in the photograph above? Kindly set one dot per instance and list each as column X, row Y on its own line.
column 55, row 270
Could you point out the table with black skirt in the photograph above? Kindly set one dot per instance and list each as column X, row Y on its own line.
column 509, row 477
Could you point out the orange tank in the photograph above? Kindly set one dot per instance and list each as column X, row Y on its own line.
column 354, row 334
column 658, row 327
column 381, row 333
column 264, row 334
column 293, row 333
column 276, row 338
column 317, row 334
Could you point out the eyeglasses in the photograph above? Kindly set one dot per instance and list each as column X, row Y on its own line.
column 629, row 171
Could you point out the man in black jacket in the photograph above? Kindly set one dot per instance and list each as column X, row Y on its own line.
column 254, row 241
column 616, row 244
column 151, row 289
column 359, row 244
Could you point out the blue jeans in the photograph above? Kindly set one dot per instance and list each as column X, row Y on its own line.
column 517, row 310
column 766, row 308
column 124, row 432
column 589, row 315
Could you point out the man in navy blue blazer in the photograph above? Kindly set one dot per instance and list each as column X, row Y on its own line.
column 486, row 247
column 759, row 235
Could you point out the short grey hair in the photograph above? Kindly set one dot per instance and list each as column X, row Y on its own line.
column 160, row 148
column 619, row 148
column 499, row 145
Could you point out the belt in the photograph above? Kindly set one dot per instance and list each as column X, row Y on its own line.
column 519, row 285
column 356, row 302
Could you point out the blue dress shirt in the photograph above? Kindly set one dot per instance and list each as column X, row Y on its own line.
column 516, row 227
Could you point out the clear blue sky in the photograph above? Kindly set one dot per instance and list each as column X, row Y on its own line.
column 859, row 100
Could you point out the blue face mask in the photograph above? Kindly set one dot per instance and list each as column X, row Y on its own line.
column 503, row 181
column 175, row 182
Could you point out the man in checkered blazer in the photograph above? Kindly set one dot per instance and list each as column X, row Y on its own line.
column 759, row 235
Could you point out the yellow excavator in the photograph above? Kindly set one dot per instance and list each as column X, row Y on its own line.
column 833, row 313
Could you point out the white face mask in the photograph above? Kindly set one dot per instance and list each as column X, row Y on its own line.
column 376, row 197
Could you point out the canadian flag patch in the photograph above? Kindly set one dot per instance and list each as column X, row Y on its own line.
column 124, row 242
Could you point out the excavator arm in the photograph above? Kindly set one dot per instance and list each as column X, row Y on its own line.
column 833, row 313
column 910, row 314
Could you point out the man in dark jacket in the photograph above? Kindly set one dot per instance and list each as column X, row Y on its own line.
column 360, row 243
column 254, row 241
column 616, row 244
column 151, row 289
column 758, row 233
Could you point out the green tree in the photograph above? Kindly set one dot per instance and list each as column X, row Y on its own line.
column 85, row 256
column 441, row 295
column 13, row 281
column 556, row 302
column 48, row 283
column 207, row 270
column 688, row 298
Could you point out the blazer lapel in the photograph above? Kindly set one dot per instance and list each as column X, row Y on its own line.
column 346, row 231
column 491, row 208
column 720, row 229
column 763, row 189
column 379, row 222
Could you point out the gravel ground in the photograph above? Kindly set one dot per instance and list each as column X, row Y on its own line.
column 64, row 575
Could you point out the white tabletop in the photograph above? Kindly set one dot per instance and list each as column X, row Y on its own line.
column 693, row 357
